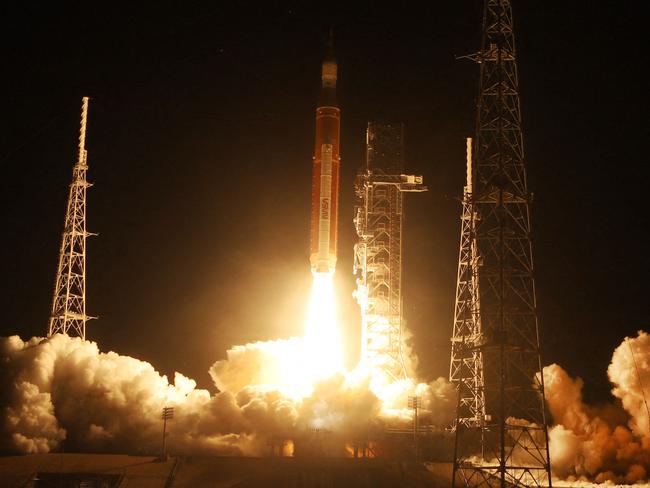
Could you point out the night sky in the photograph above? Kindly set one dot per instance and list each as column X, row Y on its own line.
column 200, row 141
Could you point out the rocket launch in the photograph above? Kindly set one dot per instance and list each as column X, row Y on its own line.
column 325, row 176
column 322, row 339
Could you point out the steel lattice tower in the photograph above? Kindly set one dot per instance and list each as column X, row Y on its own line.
column 68, row 314
column 501, row 432
column 379, row 220
column 467, row 322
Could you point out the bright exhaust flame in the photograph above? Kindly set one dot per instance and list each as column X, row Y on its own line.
column 291, row 366
column 323, row 351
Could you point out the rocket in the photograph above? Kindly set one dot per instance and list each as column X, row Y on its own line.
column 325, row 176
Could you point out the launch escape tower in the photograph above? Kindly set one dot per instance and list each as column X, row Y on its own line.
column 501, row 432
column 68, row 314
column 378, row 220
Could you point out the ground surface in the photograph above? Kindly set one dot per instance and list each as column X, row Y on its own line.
column 122, row 471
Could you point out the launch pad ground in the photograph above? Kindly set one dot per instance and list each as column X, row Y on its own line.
column 122, row 471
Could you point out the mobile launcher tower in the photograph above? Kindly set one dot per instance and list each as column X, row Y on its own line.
column 379, row 220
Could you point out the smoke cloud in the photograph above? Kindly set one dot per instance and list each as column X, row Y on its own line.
column 608, row 443
column 64, row 389
column 64, row 393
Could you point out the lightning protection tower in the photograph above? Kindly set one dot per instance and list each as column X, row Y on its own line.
column 501, row 432
column 68, row 314
column 379, row 221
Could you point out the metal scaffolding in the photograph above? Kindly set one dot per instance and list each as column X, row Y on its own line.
column 501, row 431
column 467, row 321
column 379, row 221
column 68, row 314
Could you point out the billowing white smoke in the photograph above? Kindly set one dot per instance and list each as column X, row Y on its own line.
column 608, row 443
column 342, row 403
column 65, row 389
column 629, row 372
column 63, row 392
column 271, row 365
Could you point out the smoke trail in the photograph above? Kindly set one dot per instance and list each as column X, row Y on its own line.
column 64, row 393
column 607, row 443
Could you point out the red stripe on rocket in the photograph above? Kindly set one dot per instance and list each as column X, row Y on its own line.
column 325, row 176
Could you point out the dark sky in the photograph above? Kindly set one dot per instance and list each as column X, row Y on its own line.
column 200, row 138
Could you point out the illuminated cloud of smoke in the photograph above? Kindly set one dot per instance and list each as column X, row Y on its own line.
column 63, row 392
column 65, row 389
column 629, row 372
column 607, row 443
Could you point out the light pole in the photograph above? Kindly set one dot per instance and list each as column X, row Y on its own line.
column 415, row 403
column 167, row 414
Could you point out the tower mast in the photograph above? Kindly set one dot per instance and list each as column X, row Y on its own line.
column 466, row 368
column 501, row 431
column 68, row 315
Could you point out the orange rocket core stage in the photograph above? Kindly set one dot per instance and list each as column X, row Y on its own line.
column 325, row 176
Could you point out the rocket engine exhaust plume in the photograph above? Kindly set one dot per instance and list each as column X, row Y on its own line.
column 322, row 339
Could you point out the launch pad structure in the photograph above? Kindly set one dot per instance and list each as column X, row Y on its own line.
column 68, row 315
column 379, row 220
column 501, row 430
